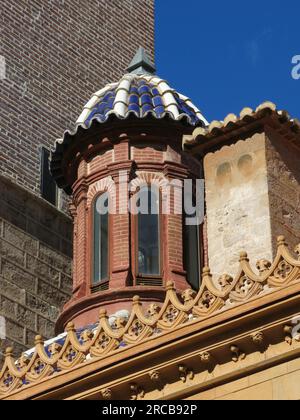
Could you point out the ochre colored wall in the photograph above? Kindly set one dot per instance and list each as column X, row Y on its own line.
column 277, row 383
column 237, row 200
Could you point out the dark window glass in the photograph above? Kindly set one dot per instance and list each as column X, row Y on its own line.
column 48, row 185
column 148, row 232
column 192, row 256
column 100, row 239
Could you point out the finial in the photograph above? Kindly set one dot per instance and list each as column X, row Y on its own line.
column 102, row 313
column 136, row 300
column 243, row 256
column 70, row 326
column 281, row 240
column 38, row 340
column 9, row 352
column 141, row 63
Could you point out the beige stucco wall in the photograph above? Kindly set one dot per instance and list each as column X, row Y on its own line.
column 238, row 212
column 277, row 383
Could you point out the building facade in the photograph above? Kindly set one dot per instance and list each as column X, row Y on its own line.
column 142, row 323
column 146, row 318
column 52, row 53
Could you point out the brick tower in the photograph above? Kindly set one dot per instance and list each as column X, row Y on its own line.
column 126, row 146
column 51, row 53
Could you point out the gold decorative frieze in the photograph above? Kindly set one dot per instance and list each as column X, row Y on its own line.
column 176, row 312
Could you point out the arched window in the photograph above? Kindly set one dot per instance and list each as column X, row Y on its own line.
column 100, row 240
column 192, row 251
column 148, row 232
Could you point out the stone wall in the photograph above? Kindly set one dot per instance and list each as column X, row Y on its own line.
column 57, row 54
column 284, row 189
column 252, row 197
column 35, row 265
column 237, row 199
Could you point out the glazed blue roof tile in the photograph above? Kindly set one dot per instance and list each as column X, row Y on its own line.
column 61, row 339
column 141, row 94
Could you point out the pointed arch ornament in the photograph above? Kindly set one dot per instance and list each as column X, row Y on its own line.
column 176, row 311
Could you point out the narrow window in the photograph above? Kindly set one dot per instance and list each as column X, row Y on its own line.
column 48, row 185
column 192, row 254
column 100, row 240
column 148, row 221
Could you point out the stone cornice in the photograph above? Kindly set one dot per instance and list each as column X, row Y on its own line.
column 66, row 157
column 248, row 302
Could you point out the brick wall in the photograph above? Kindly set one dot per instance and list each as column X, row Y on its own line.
column 57, row 53
column 35, row 265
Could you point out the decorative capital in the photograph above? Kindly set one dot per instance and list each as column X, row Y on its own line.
column 154, row 375
column 288, row 334
column 137, row 392
column 237, row 354
column 185, row 373
column 258, row 338
column 106, row 394
column 205, row 357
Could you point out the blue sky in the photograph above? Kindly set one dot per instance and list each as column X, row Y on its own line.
column 226, row 55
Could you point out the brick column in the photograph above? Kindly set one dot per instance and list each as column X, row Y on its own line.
column 120, row 236
column 174, row 265
column 80, row 241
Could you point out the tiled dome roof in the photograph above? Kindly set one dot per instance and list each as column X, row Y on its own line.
column 140, row 95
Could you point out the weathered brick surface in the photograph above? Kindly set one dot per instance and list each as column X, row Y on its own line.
column 35, row 278
column 59, row 52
